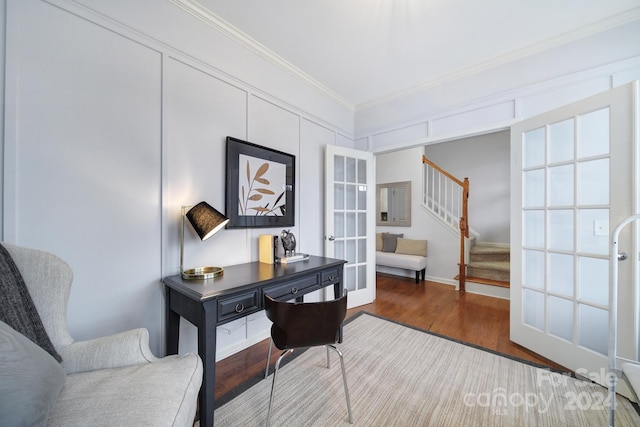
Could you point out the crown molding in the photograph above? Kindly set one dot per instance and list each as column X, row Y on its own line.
column 208, row 17
column 224, row 27
column 565, row 38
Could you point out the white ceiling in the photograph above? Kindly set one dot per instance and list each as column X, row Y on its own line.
column 366, row 51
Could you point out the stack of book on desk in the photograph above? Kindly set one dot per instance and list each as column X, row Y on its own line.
column 293, row 258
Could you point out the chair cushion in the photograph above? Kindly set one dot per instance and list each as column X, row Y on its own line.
column 379, row 241
column 160, row 393
column 411, row 247
column 409, row 262
column 17, row 308
column 390, row 241
column 30, row 380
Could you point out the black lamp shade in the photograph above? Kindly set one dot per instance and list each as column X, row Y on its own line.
column 206, row 220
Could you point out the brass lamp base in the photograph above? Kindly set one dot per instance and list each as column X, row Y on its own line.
column 202, row 273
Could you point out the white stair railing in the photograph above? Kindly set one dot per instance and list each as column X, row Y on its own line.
column 442, row 197
column 446, row 197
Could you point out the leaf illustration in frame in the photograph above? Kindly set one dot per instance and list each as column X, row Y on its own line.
column 260, row 186
column 253, row 171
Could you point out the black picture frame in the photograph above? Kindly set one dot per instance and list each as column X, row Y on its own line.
column 260, row 185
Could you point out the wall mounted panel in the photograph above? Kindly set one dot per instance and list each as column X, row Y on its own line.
column 408, row 133
column 87, row 140
column 313, row 139
column 472, row 119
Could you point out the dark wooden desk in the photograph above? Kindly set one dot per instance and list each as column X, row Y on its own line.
column 238, row 293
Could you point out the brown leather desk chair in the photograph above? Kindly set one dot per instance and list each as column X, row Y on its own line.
column 298, row 325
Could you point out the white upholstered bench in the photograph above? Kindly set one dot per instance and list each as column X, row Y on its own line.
column 392, row 250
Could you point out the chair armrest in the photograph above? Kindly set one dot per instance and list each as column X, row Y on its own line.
column 113, row 351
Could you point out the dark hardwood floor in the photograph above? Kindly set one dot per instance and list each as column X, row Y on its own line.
column 439, row 308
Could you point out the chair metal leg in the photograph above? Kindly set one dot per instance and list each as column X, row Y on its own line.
column 328, row 358
column 266, row 370
column 344, row 380
column 273, row 384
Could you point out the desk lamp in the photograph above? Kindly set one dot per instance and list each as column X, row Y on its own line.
column 206, row 221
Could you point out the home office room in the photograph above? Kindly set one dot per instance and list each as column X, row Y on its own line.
column 130, row 127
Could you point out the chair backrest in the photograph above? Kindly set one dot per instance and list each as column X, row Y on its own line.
column 305, row 324
column 48, row 279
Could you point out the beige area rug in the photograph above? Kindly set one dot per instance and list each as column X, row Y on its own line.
column 401, row 376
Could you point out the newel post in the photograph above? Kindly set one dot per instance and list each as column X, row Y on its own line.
column 464, row 233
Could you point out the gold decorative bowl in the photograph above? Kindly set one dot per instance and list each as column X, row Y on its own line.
column 202, row 273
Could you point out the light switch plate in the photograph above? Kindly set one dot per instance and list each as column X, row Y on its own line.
column 600, row 228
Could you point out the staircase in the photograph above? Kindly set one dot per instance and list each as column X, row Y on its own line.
column 489, row 265
column 485, row 266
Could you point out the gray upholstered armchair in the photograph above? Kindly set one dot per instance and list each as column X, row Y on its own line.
column 110, row 381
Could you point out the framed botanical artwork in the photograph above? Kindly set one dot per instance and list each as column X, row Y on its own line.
column 259, row 187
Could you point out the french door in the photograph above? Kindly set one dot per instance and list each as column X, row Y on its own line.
column 573, row 179
column 350, row 219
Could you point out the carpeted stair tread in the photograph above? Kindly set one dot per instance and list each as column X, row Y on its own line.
column 499, row 271
column 490, row 253
column 488, row 249
column 491, row 265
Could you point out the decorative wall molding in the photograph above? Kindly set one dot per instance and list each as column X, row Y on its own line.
column 78, row 8
column 499, row 111
column 568, row 37
column 210, row 18
column 196, row 9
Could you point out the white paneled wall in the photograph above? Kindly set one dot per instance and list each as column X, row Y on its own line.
column 311, row 190
column 114, row 120
column 86, row 162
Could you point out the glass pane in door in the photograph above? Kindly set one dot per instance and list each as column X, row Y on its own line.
column 338, row 169
column 350, row 279
column 561, row 228
column 561, row 318
column 534, row 148
column 338, row 196
column 561, row 137
column 594, row 328
column 560, row 280
column 593, row 177
column 534, row 309
column 362, row 171
column 534, row 268
column 561, row 185
column 533, row 224
column 338, row 221
column 594, row 133
column 534, row 188
column 593, row 286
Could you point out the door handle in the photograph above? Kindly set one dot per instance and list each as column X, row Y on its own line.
column 622, row 256
column 331, row 238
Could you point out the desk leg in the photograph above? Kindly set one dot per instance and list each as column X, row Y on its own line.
column 172, row 326
column 207, row 351
column 337, row 293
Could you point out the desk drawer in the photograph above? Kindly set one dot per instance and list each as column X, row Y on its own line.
column 237, row 306
column 330, row 276
column 293, row 289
